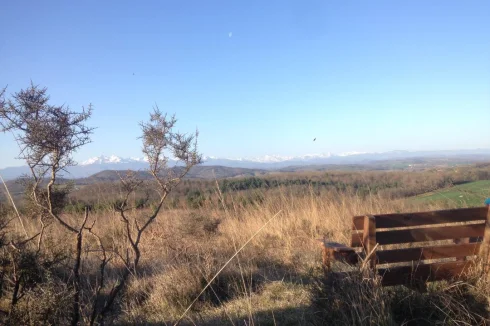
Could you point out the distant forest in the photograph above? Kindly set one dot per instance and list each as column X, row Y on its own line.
column 244, row 191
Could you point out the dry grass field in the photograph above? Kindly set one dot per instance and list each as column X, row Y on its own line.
column 276, row 279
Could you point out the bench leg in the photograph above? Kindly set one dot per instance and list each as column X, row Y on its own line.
column 327, row 261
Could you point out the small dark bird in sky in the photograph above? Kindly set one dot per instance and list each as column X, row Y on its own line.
column 314, row 139
column 133, row 73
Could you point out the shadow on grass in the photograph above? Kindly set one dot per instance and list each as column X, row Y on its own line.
column 355, row 301
column 284, row 316
column 270, row 294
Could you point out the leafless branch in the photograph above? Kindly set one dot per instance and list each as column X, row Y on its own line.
column 159, row 142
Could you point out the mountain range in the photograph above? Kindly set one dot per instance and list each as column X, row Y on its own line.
column 269, row 162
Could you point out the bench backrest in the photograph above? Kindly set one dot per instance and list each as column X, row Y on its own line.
column 459, row 234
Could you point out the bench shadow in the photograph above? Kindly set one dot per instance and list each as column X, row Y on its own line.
column 330, row 304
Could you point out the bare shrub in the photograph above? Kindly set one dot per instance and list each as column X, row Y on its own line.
column 47, row 136
column 160, row 140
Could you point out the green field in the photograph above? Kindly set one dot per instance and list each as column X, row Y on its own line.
column 469, row 194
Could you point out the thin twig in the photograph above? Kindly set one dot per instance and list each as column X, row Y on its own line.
column 15, row 207
column 220, row 195
column 366, row 260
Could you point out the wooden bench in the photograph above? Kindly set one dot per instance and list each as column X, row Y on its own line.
column 416, row 247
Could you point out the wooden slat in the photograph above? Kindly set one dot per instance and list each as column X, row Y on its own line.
column 339, row 252
column 424, row 218
column 335, row 246
column 423, row 253
column 424, row 234
column 422, row 273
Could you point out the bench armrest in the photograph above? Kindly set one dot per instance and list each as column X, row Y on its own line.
column 337, row 251
column 335, row 246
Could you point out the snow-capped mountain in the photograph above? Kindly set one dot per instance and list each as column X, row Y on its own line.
column 112, row 160
column 102, row 160
column 277, row 161
column 269, row 162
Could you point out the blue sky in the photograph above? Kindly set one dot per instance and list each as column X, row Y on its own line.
column 260, row 77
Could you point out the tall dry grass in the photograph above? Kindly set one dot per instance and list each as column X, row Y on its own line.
column 276, row 279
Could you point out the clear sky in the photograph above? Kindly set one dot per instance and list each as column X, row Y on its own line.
column 260, row 77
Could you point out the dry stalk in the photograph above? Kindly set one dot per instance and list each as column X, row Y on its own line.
column 224, row 266
column 15, row 207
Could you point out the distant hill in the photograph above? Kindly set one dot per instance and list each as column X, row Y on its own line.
column 197, row 172
column 384, row 160
column 410, row 164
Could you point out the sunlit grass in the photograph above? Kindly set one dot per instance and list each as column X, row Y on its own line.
column 470, row 194
column 275, row 280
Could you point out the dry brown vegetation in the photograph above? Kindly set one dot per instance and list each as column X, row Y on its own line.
column 276, row 279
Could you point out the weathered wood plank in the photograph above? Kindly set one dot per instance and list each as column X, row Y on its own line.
column 424, row 218
column 337, row 251
column 423, row 273
column 423, row 253
column 425, row 234
column 336, row 246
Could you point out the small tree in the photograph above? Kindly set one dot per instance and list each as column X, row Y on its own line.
column 47, row 136
column 160, row 142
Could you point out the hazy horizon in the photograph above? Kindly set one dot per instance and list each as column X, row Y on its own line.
column 262, row 159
